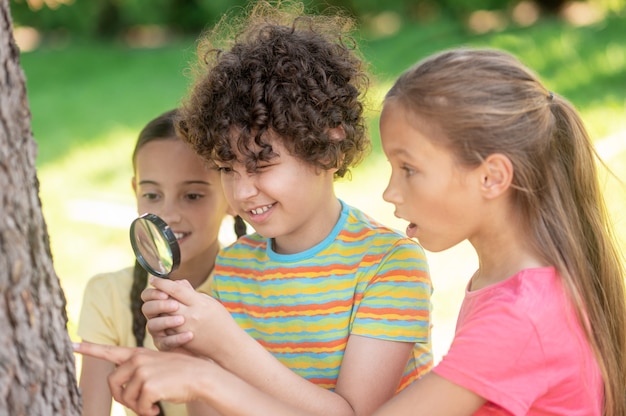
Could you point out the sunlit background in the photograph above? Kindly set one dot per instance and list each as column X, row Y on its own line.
column 98, row 70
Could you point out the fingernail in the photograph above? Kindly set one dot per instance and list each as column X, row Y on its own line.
column 75, row 346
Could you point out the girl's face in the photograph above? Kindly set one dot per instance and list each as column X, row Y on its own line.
column 427, row 186
column 173, row 182
column 285, row 199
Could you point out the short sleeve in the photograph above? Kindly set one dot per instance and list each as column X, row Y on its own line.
column 213, row 289
column 105, row 316
column 396, row 305
column 497, row 354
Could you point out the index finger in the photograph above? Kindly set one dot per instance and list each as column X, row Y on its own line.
column 180, row 290
column 150, row 293
column 111, row 353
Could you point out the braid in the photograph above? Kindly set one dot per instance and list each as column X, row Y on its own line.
column 240, row 226
column 140, row 280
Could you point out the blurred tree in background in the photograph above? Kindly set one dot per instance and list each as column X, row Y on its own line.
column 112, row 18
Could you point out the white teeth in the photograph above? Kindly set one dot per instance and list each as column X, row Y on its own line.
column 179, row 235
column 259, row 211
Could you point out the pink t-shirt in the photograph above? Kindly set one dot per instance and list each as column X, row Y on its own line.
column 519, row 345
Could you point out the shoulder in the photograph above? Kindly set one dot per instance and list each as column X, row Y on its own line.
column 244, row 244
column 358, row 221
column 532, row 294
column 533, row 301
column 105, row 315
column 118, row 279
column 109, row 288
column 360, row 227
column 540, row 296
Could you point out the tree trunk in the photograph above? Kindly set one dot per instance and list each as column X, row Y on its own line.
column 37, row 373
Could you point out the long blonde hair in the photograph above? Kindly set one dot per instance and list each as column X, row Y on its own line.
column 485, row 101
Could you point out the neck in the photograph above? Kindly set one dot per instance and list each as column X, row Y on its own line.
column 313, row 232
column 504, row 249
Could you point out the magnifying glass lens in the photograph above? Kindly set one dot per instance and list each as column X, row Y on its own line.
column 155, row 245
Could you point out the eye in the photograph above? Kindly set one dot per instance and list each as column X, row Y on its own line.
column 224, row 169
column 260, row 167
column 151, row 196
column 194, row 197
column 408, row 170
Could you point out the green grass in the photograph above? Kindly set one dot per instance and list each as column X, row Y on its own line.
column 89, row 100
column 83, row 92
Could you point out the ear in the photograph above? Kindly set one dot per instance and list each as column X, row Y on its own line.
column 337, row 133
column 133, row 183
column 496, row 175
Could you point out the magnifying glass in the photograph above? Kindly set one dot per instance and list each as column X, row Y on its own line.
column 155, row 245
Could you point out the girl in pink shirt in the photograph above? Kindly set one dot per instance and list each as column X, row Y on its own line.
column 481, row 150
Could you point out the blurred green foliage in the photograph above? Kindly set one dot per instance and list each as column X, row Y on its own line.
column 109, row 18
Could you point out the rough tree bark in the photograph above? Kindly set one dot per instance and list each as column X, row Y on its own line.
column 37, row 373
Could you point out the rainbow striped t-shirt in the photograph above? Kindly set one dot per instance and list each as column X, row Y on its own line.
column 363, row 279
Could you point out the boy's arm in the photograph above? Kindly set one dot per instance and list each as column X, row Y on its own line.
column 359, row 388
column 369, row 376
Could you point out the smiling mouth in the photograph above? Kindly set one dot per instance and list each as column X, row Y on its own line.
column 180, row 236
column 261, row 210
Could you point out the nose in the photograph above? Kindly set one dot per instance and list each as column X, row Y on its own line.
column 169, row 211
column 244, row 186
column 390, row 194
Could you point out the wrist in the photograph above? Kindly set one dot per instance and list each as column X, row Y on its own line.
column 212, row 383
column 237, row 344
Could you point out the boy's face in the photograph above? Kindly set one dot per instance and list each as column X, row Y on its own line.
column 285, row 199
column 174, row 183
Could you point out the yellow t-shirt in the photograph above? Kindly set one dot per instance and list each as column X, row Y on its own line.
column 105, row 317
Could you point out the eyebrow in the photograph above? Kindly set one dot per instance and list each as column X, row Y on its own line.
column 148, row 182
column 399, row 152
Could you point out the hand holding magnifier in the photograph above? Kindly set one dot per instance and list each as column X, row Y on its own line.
column 155, row 245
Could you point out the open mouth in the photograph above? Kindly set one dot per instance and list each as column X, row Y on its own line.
column 261, row 210
column 180, row 236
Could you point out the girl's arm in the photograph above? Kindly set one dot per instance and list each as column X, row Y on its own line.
column 432, row 395
column 199, row 408
column 143, row 377
column 370, row 372
column 94, row 386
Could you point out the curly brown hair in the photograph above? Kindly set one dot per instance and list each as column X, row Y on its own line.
column 284, row 74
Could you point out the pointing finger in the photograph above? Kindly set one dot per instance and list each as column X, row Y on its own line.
column 111, row 353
